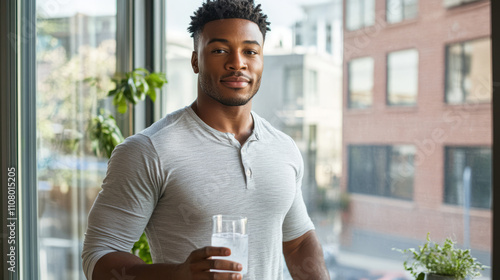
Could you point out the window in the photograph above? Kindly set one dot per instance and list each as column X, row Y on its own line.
column 468, row 74
column 399, row 10
column 360, row 13
column 294, row 90
column 329, row 43
column 402, row 78
column 75, row 43
column 468, row 168
column 382, row 170
column 298, row 34
column 360, row 84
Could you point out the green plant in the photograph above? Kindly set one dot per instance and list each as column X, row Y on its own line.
column 141, row 249
column 104, row 134
column 445, row 260
column 131, row 87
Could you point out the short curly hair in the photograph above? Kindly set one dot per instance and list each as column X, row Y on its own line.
column 226, row 9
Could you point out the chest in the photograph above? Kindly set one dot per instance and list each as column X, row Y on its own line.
column 230, row 181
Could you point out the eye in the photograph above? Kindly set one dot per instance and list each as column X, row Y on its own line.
column 218, row 51
column 251, row 52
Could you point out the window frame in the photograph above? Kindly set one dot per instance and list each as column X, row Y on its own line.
column 364, row 24
column 348, row 86
column 387, row 71
column 447, row 71
column 447, row 164
column 388, row 180
column 403, row 7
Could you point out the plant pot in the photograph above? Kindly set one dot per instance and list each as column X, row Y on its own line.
column 432, row 276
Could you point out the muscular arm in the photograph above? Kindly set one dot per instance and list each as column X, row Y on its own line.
column 304, row 257
column 123, row 265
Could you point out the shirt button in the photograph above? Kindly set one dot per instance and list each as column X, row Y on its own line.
column 249, row 172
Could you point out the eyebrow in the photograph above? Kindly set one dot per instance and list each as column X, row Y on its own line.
column 252, row 42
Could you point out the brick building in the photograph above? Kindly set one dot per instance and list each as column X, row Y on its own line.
column 417, row 123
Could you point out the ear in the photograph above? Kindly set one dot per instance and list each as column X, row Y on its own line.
column 194, row 62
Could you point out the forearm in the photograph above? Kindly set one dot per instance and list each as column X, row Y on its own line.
column 123, row 265
column 304, row 258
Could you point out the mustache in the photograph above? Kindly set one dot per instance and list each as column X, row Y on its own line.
column 236, row 74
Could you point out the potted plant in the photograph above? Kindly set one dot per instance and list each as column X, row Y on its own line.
column 432, row 261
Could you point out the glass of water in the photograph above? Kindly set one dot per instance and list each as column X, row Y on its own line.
column 231, row 232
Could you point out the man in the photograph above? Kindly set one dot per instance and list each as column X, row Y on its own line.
column 213, row 157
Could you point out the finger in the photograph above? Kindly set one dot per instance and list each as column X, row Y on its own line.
column 218, row 264
column 227, row 276
column 210, row 251
column 224, row 276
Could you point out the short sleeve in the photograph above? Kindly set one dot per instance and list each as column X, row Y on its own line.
column 122, row 209
column 297, row 221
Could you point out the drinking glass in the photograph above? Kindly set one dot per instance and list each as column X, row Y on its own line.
column 231, row 232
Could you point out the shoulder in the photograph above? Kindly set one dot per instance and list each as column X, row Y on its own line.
column 274, row 137
column 267, row 130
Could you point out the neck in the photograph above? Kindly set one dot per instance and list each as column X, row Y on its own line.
column 233, row 119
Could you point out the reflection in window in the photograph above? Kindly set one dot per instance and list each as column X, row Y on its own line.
column 72, row 46
column 382, row 170
column 478, row 161
column 402, row 78
column 399, row 10
column 468, row 71
column 360, row 13
column 360, row 82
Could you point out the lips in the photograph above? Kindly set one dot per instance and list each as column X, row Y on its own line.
column 235, row 82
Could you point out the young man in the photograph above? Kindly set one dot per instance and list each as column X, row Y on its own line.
column 213, row 157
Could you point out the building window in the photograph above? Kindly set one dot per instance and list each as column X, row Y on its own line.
column 294, row 93
column 382, row 170
column 360, row 75
column 329, row 41
column 298, row 34
column 399, row 10
column 468, row 167
column 402, row 78
column 468, row 72
column 312, row 87
column 360, row 13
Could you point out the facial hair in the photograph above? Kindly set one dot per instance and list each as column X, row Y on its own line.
column 236, row 100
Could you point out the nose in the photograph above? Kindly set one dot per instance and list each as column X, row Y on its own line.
column 235, row 62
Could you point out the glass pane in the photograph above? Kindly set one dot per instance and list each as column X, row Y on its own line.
column 368, row 12
column 75, row 41
column 469, row 78
column 402, row 72
column 411, row 9
column 454, row 70
column 478, row 74
column 394, row 11
column 468, row 176
column 360, row 82
column 354, row 14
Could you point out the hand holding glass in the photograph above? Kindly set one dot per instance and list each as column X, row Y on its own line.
column 231, row 232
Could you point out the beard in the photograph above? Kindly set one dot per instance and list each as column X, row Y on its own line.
column 236, row 99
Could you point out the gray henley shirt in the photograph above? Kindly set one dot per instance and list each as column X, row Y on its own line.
column 172, row 177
